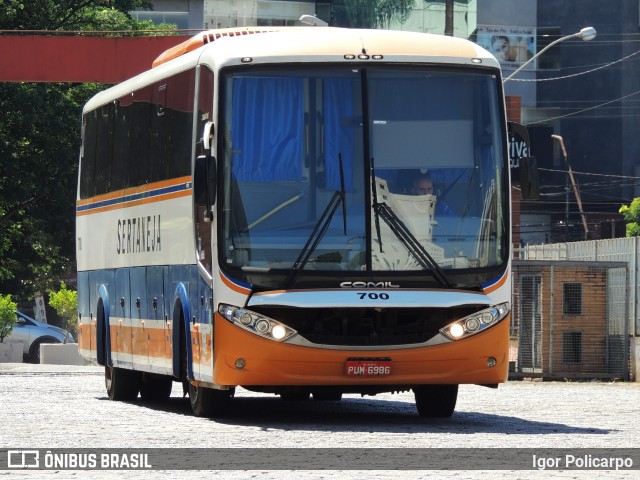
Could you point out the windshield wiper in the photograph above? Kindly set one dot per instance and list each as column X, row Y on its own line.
column 402, row 233
column 413, row 246
column 374, row 191
column 321, row 228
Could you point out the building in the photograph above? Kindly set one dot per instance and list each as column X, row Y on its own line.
column 585, row 93
column 570, row 320
column 588, row 93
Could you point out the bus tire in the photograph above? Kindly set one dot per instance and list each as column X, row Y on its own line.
column 436, row 401
column 122, row 384
column 155, row 388
column 209, row 402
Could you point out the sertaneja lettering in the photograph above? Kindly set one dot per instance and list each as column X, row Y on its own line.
column 138, row 235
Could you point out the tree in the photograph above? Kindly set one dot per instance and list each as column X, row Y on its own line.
column 39, row 138
column 448, row 18
column 65, row 303
column 64, row 14
column 389, row 10
column 631, row 214
column 7, row 316
column 39, row 144
column 370, row 13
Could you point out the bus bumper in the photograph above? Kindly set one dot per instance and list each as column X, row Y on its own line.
column 267, row 362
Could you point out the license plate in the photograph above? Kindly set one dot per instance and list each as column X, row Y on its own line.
column 367, row 368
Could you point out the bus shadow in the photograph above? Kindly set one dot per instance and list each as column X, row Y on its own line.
column 367, row 415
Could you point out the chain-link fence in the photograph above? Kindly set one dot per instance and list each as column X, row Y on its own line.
column 569, row 320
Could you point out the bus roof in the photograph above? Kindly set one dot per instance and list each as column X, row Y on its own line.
column 203, row 38
column 300, row 45
column 301, row 41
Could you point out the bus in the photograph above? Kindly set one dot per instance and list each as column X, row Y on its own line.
column 247, row 216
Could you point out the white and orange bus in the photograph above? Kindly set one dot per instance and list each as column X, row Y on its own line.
column 248, row 214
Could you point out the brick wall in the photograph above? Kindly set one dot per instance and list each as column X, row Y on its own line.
column 562, row 320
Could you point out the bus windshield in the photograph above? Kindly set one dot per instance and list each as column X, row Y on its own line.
column 363, row 171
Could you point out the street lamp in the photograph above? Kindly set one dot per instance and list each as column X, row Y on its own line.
column 586, row 34
column 313, row 21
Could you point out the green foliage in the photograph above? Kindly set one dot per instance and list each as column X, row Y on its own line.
column 65, row 14
column 370, row 13
column 388, row 10
column 39, row 138
column 631, row 214
column 118, row 23
column 7, row 316
column 39, row 145
column 65, row 303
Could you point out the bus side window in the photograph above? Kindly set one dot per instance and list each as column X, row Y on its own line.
column 140, row 137
column 88, row 165
column 104, row 148
column 121, row 144
column 160, row 138
column 179, row 116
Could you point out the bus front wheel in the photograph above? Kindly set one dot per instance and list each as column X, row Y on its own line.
column 436, row 401
column 121, row 384
column 209, row 402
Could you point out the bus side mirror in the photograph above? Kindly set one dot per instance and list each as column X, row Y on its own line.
column 204, row 184
column 529, row 184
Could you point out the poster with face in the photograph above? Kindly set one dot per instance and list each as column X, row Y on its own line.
column 512, row 46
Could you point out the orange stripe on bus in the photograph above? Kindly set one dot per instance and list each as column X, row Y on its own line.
column 233, row 286
column 134, row 190
column 147, row 341
column 142, row 201
column 498, row 284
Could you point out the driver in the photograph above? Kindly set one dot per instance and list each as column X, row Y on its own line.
column 423, row 185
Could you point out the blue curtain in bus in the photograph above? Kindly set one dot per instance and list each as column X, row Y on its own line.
column 268, row 129
column 339, row 129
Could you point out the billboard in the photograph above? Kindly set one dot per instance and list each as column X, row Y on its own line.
column 512, row 46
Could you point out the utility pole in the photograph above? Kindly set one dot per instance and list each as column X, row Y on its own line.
column 558, row 138
column 566, row 208
column 448, row 18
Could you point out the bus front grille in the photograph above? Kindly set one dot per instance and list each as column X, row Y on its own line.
column 367, row 326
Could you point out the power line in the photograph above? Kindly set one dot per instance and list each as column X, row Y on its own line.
column 583, row 110
column 580, row 101
column 589, row 173
column 577, row 74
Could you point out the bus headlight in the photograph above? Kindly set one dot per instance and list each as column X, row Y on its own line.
column 475, row 323
column 255, row 323
column 278, row 332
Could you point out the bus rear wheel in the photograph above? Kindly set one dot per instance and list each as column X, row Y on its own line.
column 122, row 384
column 209, row 402
column 436, row 401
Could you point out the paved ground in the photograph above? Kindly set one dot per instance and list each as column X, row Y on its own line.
column 47, row 406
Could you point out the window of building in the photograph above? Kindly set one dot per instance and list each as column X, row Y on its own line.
column 180, row 19
column 572, row 347
column 551, row 58
column 572, row 298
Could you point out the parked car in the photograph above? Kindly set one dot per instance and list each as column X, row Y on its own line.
column 33, row 333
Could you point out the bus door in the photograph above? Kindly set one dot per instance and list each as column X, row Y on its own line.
column 139, row 316
column 206, row 329
column 156, row 327
column 121, row 352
